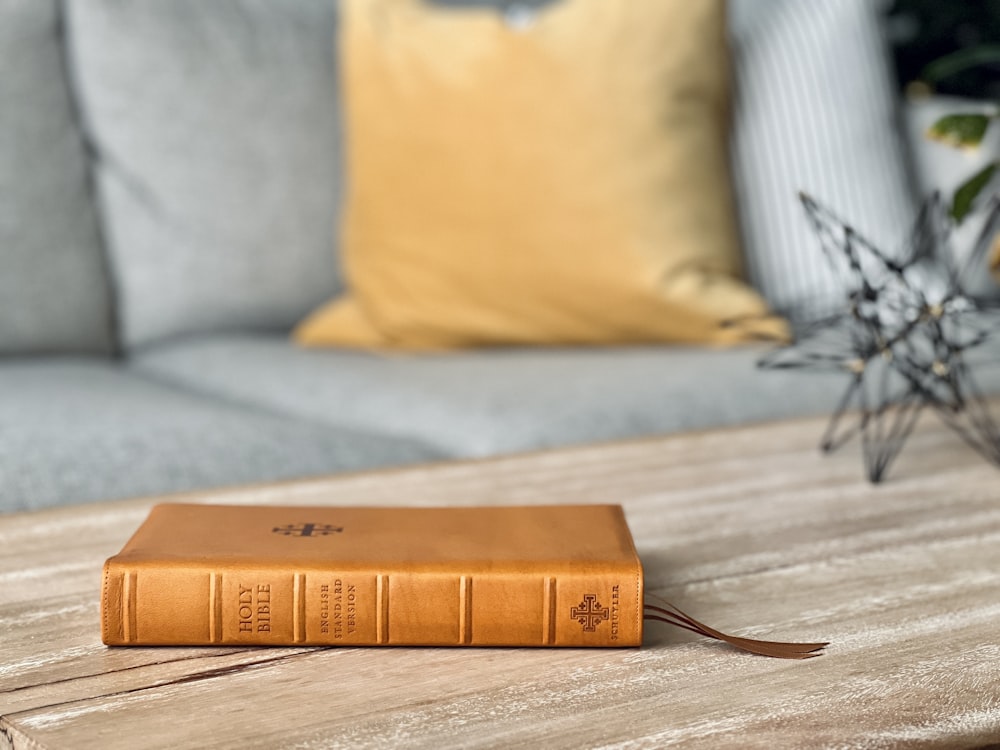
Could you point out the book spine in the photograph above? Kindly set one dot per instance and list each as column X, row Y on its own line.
column 178, row 605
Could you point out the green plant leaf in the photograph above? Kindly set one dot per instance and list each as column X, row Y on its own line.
column 963, row 131
column 967, row 193
column 963, row 59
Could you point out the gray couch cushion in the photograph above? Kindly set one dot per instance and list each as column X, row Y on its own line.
column 484, row 402
column 74, row 430
column 814, row 111
column 216, row 129
column 53, row 289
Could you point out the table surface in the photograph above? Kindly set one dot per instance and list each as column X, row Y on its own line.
column 749, row 529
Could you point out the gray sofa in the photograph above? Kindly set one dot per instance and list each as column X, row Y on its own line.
column 169, row 176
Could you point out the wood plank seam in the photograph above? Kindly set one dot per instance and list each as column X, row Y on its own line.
column 195, row 677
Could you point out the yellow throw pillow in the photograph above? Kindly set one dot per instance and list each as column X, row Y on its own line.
column 558, row 181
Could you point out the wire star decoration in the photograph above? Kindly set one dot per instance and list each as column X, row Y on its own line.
column 903, row 338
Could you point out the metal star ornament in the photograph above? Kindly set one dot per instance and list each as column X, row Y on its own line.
column 902, row 337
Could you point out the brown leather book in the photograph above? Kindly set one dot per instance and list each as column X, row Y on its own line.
column 504, row 576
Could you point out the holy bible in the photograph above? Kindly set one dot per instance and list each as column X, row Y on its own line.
column 502, row 576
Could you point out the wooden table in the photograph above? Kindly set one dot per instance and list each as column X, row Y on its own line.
column 748, row 529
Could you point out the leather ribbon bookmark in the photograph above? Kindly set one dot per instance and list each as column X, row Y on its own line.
column 673, row 616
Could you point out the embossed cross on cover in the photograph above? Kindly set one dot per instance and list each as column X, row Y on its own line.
column 483, row 576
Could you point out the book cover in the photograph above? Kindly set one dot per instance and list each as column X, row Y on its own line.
column 479, row 576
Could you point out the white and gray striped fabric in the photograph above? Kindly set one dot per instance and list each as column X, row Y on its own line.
column 815, row 110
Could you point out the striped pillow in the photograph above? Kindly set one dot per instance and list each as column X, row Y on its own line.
column 815, row 110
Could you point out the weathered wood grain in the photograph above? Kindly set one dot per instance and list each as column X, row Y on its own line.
column 749, row 529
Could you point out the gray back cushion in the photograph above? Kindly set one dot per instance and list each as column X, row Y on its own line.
column 216, row 129
column 54, row 293
column 816, row 110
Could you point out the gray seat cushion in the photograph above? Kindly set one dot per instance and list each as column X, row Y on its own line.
column 485, row 402
column 54, row 294
column 216, row 129
column 75, row 430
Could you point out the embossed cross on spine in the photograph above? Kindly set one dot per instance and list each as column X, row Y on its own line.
column 590, row 613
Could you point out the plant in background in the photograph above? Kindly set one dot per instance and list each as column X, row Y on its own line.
column 966, row 131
